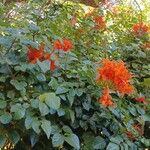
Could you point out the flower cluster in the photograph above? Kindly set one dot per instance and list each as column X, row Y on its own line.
column 115, row 74
column 100, row 22
column 106, row 99
column 64, row 45
column 140, row 29
column 39, row 54
column 34, row 54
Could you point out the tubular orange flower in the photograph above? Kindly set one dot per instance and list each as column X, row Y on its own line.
column 66, row 45
column 52, row 65
column 140, row 29
column 33, row 55
column 106, row 99
column 57, row 45
column 130, row 135
column 139, row 128
column 141, row 99
column 116, row 73
column 100, row 22
column 39, row 54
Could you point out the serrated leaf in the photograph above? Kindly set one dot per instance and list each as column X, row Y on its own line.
column 28, row 122
column 112, row 146
column 36, row 125
column 99, row 143
column 19, row 111
column 61, row 90
column 57, row 139
column 43, row 108
column 44, row 65
column 34, row 139
column 5, row 118
column 41, row 77
column 73, row 140
column 60, row 112
column 46, row 126
column 52, row 101
column 53, row 83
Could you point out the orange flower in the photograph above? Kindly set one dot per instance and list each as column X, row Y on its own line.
column 57, row 45
column 52, row 65
column 130, row 135
column 39, row 54
column 66, row 45
column 116, row 73
column 141, row 99
column 106, row 99
column 100, row 22
column 34, row 54
column 146, row 45
column 140, row 29
column 139, row 128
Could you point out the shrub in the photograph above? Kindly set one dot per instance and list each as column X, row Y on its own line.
column 49, row 95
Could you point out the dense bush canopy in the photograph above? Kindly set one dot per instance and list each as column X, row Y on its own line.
column 74, row 77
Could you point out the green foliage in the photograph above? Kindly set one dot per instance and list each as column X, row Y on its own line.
column 45, row 109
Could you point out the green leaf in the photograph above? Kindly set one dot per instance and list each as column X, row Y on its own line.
column 52, row 101
column 3, row 104
column 99, row 143
column 146, row 82
column 43, row 97
column 112, row 146
column 41, row 77
column 43, row 108
column 89, row 139
column 67, row 129
column 36, row 125
column 35, row 103
column 46, row 126
column 73, row 140
column 140, row 110
column 72, row 115
column 11, row 94
column 44, row 65
column 33, row 27
column 70, row 96
column 34, row 138
column 5, row 118
column 53, row 83
column 60, row 112
column 57, row 139
column 14, row 137
column 19, row 85
column 79, row 92
column 28, row 122
column 2, row 140
column 19, row 111
column 61, row 90
column 117, row 139
column 5, row 41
